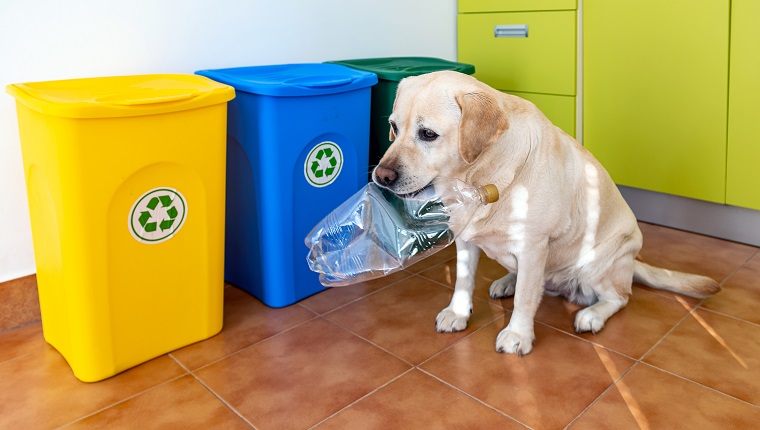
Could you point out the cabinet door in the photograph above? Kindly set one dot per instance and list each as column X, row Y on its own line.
column 559, row 109
column 743, row 176
column 537, row 55
column 655, row 85
column 466, row 6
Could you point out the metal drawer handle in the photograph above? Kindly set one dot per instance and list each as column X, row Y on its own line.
column 510, row 30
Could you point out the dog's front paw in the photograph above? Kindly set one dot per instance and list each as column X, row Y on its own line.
column 588, row 320
column 448, row 321
column 513, row 342
column 503, row 287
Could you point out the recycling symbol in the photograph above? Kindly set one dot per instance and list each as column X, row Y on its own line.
column 323, row 164
column 166, row 224
column 157, row 215
column 317, row 165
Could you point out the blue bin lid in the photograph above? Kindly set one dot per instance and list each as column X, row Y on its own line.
column 293, row 80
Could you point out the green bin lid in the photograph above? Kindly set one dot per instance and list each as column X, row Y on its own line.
column 398, row 68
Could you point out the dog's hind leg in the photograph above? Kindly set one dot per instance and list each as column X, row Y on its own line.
column 455, row 316
column 612, row 291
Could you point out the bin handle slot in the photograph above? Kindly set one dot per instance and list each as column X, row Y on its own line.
column 147, row 98
column 320, row 81
column 422, row 69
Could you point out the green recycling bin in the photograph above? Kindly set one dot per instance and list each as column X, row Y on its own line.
column 389, row 72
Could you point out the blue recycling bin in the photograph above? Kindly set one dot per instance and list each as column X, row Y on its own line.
column 297, row 147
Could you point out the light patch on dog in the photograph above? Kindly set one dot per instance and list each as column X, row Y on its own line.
column 463, row 263
column 461, row 302
column 517, row 217
column 587, row 253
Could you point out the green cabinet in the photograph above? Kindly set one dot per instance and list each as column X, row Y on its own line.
column 655, row 93
column 670, row 87
column 743, row 175
column 525, row 48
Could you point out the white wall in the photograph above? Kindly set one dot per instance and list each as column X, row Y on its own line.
column 60, row 39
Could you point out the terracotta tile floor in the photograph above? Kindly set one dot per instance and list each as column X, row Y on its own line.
column 368, row 356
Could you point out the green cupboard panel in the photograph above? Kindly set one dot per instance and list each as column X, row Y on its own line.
column 743, row 176
column 467, row 6
column 655, row 93
column 542, row 60
column 559, row 109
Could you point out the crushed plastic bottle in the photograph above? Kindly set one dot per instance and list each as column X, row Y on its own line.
column 376, row 232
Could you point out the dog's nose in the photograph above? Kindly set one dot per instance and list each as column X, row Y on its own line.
column 385, row 176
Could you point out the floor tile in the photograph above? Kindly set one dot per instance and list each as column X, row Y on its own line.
column 714, row 350
column 418, row 401
column 345, row 358
column 21, row 341
column 401, row 318
column 632, row 331
column 547, row 388
column 336, row 297
column 647, row 398
column 740, row 294
column 246, row 321
column 299, row 378
column 180, row 404
column 693, row 253
column 39, row 390
column 488, row 271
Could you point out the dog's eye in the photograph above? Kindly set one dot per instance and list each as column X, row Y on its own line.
column 428, row 134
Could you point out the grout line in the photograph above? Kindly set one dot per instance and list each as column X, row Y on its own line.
column 366, row 340
column 38, row 320
column 701, row 385
column 613, row 385
column 298, row 304
column 222, row 400
column 179, row 363
column 741, row 266
column 699, row 306
column 577, row 336
column 672, row 329
column 371, row 293
column 124, row 400
column 473, row 398
column 363, row 397
column 316, row 317
column 413, row 368
column 463, row 338
column 440, row 263
column 729, row 316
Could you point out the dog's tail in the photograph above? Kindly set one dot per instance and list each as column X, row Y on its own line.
column 678, row 282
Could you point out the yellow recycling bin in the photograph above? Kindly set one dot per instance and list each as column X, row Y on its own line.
column 126, row 185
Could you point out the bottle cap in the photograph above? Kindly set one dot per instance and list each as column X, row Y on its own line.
column 490, row 193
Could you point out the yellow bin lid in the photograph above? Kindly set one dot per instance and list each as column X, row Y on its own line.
column 121, row 96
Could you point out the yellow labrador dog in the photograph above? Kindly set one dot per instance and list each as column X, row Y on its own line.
column 561, row 225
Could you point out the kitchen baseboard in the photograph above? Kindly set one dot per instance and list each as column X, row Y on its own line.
column 19, row 302
column 710, row 219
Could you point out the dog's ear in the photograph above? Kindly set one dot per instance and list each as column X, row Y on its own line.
column 483, row 121
column 391, row 134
